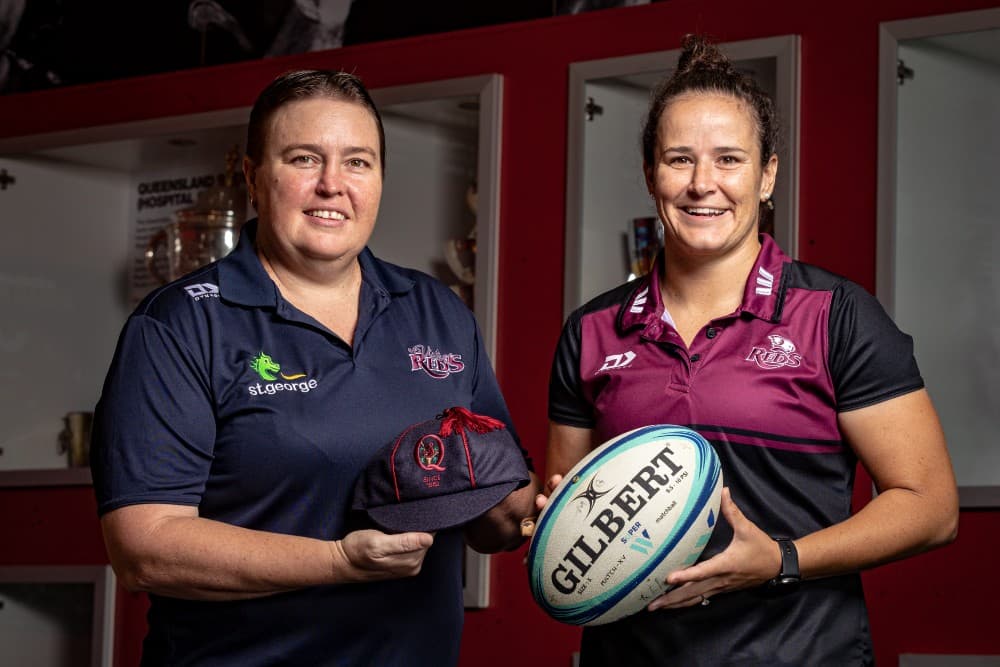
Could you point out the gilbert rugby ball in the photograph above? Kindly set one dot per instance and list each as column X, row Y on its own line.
column 635, row 509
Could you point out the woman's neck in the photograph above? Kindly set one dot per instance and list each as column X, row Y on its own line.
column 695, row 291
column 307, row 276
column 327, row 292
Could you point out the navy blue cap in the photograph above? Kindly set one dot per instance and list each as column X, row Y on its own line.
column 441, row 473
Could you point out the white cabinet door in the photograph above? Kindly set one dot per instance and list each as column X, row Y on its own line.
column 63, row 252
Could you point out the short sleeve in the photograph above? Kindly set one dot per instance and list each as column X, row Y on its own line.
column 567, row 403
column 871, row 360
column 154, row 426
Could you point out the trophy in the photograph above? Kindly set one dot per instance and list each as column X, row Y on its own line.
column 202, row 233
column 74, row 439
column 460, row 255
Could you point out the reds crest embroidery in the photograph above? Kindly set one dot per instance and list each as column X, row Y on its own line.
column 433, row 362
column 429, row 453
column 781, row 354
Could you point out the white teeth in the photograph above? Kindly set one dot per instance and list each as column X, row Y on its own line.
column 705, row 211
column 327, row 215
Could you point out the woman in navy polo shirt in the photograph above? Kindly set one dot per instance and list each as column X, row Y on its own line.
column 792, row 373
column 245, row 398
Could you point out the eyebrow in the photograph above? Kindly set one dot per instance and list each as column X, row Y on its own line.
column 316, row 148
column 718, row 149
column 359, row 149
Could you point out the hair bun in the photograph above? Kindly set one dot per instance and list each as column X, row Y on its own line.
column 698, row 54
column 703, row 68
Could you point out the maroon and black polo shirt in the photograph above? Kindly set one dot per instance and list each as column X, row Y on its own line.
column 764, row 385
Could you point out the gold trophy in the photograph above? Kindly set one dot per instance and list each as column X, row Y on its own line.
column 202, row 233
column 74, row 439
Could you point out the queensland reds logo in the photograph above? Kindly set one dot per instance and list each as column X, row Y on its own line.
column 431, row 361
column 429, row 453
column 782, row 353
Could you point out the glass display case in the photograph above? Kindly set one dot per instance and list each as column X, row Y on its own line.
column 937, row 273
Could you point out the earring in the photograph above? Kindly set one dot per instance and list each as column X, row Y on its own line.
column 768, row 202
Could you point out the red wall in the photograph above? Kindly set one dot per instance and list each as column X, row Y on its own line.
column 943, row 602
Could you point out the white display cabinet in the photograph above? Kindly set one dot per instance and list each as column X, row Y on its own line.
column 70, row 226
column 71, row 256
column 57, row 616
column 937, row 272
column 605, row 189
column 77, row 210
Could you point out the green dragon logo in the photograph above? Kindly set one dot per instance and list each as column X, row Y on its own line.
column 268, row 369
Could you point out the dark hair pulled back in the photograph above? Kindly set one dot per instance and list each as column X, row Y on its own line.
column 702, row 68
column 302, row 85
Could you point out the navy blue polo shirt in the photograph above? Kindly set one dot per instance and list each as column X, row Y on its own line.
column 764, row 385
column 224, row 396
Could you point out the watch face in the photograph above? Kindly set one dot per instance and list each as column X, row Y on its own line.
column 783, row 582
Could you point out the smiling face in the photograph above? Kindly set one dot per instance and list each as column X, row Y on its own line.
column 319, row 180
column 707, row 179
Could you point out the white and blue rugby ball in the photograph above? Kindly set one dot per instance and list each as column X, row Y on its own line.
column 635, row 509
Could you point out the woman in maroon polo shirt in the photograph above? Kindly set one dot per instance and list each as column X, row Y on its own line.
column 792, row 373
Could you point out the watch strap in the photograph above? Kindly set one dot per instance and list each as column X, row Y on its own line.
column 789, row 573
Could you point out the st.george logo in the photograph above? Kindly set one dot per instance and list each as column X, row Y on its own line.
column 267, row 368
column 270, row 371
column 781, row 354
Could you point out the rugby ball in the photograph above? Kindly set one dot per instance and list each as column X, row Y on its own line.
column 635, row 509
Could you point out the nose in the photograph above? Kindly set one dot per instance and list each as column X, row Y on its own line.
column 330, row 181
column 702, row 179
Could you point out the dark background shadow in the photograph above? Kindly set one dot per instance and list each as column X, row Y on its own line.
column 48, row 43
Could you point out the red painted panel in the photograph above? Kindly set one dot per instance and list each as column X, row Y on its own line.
column 50, row 526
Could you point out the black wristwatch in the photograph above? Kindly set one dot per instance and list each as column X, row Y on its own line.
column 789, row 577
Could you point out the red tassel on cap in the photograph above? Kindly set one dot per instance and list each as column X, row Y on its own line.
column 457, row 418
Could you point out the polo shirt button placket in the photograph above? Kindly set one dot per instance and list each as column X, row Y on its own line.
column 710, row 333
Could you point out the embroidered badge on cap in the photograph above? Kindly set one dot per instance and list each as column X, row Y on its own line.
column 430, row 452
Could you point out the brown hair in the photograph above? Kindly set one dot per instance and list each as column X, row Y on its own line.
column 702, row 68
column 307, row 84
